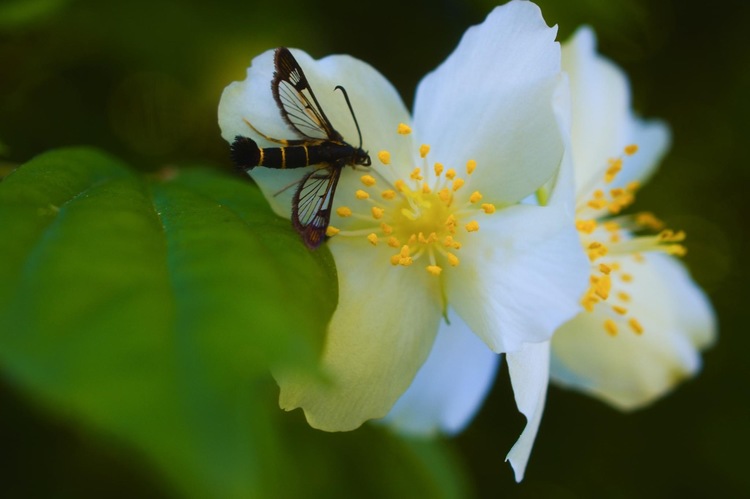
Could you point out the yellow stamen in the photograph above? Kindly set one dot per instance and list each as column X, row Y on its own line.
column 395, row 260
column 488, row 208
column 475, row 197
column 373, row 238
column 377, row 212
column 635, row 325
column 434, row 270
column 626, row 278
column 393, row 242
column 622, row 295
column 458, row 183
column 631, row 149
column 384, row 157
column 453, row 259
column 471, row 166
column 605, row 269
column 387, row 229
column 445, row 195
column 426, row 189
column 438, row 169
column 388, row 194
column 360, row 194
column 415, row 174
column 586, row 226
column 619, row 310
column 332, row 231
column 424, row 150
column 472, row 226
column 610, row 327
column 602, row 287
column 400, row 185
column 450, row 174
column 344, row 211
column 368, row 180
column 403, row 129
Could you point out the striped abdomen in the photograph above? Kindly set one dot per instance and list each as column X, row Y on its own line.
column 246, row 154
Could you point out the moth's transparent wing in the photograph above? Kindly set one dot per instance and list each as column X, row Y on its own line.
column 298, row 105
column 312, row 204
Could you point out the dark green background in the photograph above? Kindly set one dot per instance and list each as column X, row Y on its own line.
column 142, row 79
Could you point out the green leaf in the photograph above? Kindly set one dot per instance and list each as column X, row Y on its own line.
column 153, row 310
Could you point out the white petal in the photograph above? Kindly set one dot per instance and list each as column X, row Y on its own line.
column 450, row 387
column 529, row 375
column 520, row 276
column 380, row 334
column 491, row 101
column 629, row 370
column 375, row 102
column 602, row 121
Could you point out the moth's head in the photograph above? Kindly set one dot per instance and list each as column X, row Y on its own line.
column 361, row 158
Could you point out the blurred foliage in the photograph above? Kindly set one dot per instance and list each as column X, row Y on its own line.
column 141, row 80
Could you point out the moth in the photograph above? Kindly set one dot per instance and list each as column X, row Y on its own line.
column 318, row 144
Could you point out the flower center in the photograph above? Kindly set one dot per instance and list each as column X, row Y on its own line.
column 428, row 215
column 607, row 237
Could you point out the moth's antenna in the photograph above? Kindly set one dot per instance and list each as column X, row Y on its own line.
column 343, row 91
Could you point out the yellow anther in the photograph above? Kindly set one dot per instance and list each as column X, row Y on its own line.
column 426, row 189
column 438, row 169
column 400, row 185
column 598, row 194
column 393, row 242
column 406, row 261
column 626, row 278
column 471, row 165
column 415, row 174
column 611, row 226
column 450, row 174
column 368, row 180
column 403, row 129
column 434, row 270
column 604, row 269
column 635, row 325
column 384, row 157
column 597, row 204
column 405, row 251
column 475, row 197
column 472, row 226
column 619, row 310
column 421, row 238
column 373, row 238
column 387, row 229
column 424, row 150
column 488, row 208
column 445, row 195
column 343, row 211
column 610, row 327
column 586, row 226
column 602, row 287
column 633, row 186
column 377, row 212
column 638, row 257
column 453, row 259
column 614, row 238
column 670, row 236
column 623, row 296
column 458, row 183
column 388, row 194
column 647, row 219
column 676, row 250
column 616, row 192
column 631, row 149
column 360, row 194
column 450, row 223
column 395, row 260
column 332, row 231
column 412, row 239
column 588, row 302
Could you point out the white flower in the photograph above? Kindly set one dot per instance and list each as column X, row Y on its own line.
column 435, row 229
column 645, row 320
column 627, row 369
